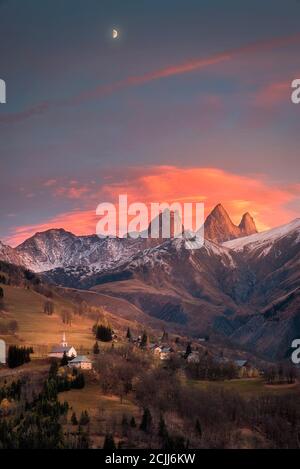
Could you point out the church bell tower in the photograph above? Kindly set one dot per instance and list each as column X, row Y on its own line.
column 64, row 342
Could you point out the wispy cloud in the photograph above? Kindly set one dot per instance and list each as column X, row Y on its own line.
column 273, row 94
column 168, row 71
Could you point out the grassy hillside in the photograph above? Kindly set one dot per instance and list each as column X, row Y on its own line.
column 247, row 387
column 24, row 322
column 122, row 312
column 104, row 410
column 37, row 328
column 25, row 306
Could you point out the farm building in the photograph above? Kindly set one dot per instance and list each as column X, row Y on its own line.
column 81, row 361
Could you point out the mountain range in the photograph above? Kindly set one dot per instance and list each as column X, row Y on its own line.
column 242, row 286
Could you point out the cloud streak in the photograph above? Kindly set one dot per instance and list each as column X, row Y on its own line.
column 166, row 72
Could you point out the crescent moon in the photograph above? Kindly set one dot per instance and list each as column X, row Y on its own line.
column 115, row 33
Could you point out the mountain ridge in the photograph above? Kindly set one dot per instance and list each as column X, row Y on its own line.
column 245, row 289
column 58, row 248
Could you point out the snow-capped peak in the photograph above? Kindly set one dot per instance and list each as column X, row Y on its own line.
column 265, row 237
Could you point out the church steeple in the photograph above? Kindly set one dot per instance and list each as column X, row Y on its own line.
column 64, row 342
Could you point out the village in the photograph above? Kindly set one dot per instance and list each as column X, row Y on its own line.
column 163, row 350
column 109, row 394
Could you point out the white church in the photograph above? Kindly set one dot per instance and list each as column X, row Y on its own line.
column 59, row 350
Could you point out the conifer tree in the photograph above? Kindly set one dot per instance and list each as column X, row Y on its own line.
column 104, row 333
column 146, row 422
column 64, row 361
column 96, row 348
column 18, row 355
column 132, row 422
column 198, row 428
column 74, row 420
column 125, row 425
column 162, row 428
column 188, row 350
column 53, row 369
column 79, row 381
column 124, row 421
column 144, row 340
column 109, row 443
column 84, row 418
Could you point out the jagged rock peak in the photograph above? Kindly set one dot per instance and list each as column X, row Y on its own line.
column 247, row 224
column 219, row 227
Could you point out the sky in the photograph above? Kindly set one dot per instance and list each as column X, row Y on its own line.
column 191, row 102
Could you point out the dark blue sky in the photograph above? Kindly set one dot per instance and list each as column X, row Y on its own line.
column 84, row 109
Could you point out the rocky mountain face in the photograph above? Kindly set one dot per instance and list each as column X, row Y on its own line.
column 60, row 249
column 172, row 283
column 10, row 255
column 247, row 225
column 273, row 257
column 218, row 226
column 246, row 289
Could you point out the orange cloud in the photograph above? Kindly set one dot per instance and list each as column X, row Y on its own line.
column 268, row 203
column 237, row 193
column 80, row 222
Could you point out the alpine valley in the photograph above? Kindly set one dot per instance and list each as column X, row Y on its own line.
column 241, row 286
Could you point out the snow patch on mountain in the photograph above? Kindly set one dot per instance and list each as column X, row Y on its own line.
column 265, row 239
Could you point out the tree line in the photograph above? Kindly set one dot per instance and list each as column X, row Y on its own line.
column 37, row 423
column 17, row 356
column 179, row 415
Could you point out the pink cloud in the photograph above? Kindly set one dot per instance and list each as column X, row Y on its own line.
column 50, row 182
column 273, row 94
column 73, row 192
column 266, row 201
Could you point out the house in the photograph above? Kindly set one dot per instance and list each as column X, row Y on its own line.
column 156, row 349
column 240, row 363
column 135, row 340
column 203, row 339
column 193, row 357
column 162, row 351
column 165, row 353
column 246, row 370
column 221, row 360
column 152, row 346
column 114, row 337
column 59, row 350
column 82, row 362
